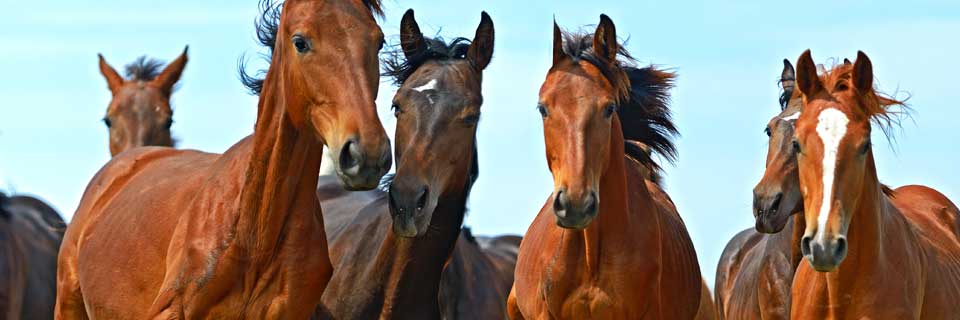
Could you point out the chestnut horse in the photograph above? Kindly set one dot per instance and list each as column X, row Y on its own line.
column 636, row 259
column 389, row 248
column 139, row 113
column 163, row 233
column 30, row 234
column 870, row 256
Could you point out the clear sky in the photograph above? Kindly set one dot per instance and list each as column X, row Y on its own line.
column 728, row 57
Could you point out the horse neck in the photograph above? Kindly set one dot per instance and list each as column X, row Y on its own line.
column 615, row 224
column 280, row 178
column 869, row 226
column 414, row 266
column 796, row 236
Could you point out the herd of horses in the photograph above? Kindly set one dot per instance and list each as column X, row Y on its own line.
column 163, row 233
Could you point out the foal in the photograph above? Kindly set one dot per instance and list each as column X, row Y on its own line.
column 609, row 243
column 139, row 113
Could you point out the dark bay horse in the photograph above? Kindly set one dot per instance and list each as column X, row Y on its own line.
column 389, row 248
column 139, row 113
column 30, row 234
column 873, row 253
column 608, row 244
column 163, row 233
column 756, row 269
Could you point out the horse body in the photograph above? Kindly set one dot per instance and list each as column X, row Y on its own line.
column 476, row 280
column 30, row 235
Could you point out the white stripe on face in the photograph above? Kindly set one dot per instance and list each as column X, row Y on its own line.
column 831, row 127
column 432, row 85
column 794, row 116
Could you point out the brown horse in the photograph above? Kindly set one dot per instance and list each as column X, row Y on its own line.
column 30, row 234
column 756, row 269
column 140, row 114
column 163, row 233
column 608, row 244
column 871, row 255
column 390, row 248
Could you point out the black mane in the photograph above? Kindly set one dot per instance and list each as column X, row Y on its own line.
column 644, row 109
column 143, row 69
column 266, row 27
column 399, row 67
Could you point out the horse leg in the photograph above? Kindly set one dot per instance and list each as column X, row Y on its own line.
column 69, row 297
column 513, row 310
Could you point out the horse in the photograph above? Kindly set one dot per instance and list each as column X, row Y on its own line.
column 139, row 113
column 162, row 233
column 389, row 247
column 627, row 255
column 858, row 233
column 477, row 278
column 30, row 234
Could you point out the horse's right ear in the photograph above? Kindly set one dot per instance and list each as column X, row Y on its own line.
column 558, row 54
column 114, row 81
column 788, row 77
column 411, row 40
column 807, row 79
column 605, row 40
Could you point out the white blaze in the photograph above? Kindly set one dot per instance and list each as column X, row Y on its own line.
column 432, row 85
column 794, row 116
column 831, row 127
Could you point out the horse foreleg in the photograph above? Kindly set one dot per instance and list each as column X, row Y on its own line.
column 513, row 310
column 70, row 304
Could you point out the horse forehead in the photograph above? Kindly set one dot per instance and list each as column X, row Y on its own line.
column 575, row 86
column 831, row 126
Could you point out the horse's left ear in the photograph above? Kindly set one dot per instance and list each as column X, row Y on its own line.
column 847, row 61
column 171, row 74
column 863, row 73
column 605, row 39
column 481, row 49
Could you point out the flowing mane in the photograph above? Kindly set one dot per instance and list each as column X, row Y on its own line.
column 885, row 111
column 143, row 69
column 643, row 110
column 266, row 27
column 399, row 67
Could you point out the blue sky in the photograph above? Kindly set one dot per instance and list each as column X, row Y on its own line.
column 727, row 56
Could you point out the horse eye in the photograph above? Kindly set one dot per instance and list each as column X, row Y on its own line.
column 301, row 44
column 107, row 122
column 471, row 119
column 543, row 110
column 767, row 131
column 610, row 110
column 168, row 124
column 796, row 146
column 866, row 148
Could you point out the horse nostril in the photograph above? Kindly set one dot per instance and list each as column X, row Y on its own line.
column 841, row 247
column 776, row 203
column 559, row 202
column 805, row 245
column 591, row 205
column 350, row 155
column 422, row 198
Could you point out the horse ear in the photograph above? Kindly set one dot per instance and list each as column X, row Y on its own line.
column 481, row 49
column 411, row 40
column 114, row 81
column 171, row 74
column 847, row 61
column 558, row 54
column 605, row 39
column 807, row 79
column 788, row 77
column 863, row 73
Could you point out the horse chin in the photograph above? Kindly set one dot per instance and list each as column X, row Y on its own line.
column 574, row 224
column 405, row 227
column 771, row 224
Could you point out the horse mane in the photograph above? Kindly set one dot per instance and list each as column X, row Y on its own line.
column 267, row 26
column 884, row 111
column 4, row 213
column 644, row 100
column 143, row 69
column 400, row 67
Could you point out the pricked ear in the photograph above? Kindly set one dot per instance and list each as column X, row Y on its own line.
column 558, row 54
column 847, row 61
column 411, row 39
column 788, row 77
column 863, row 73
column 171, row 74
column 807, row 79
column 605, row 39
column 481, row 49
column 114, row 81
